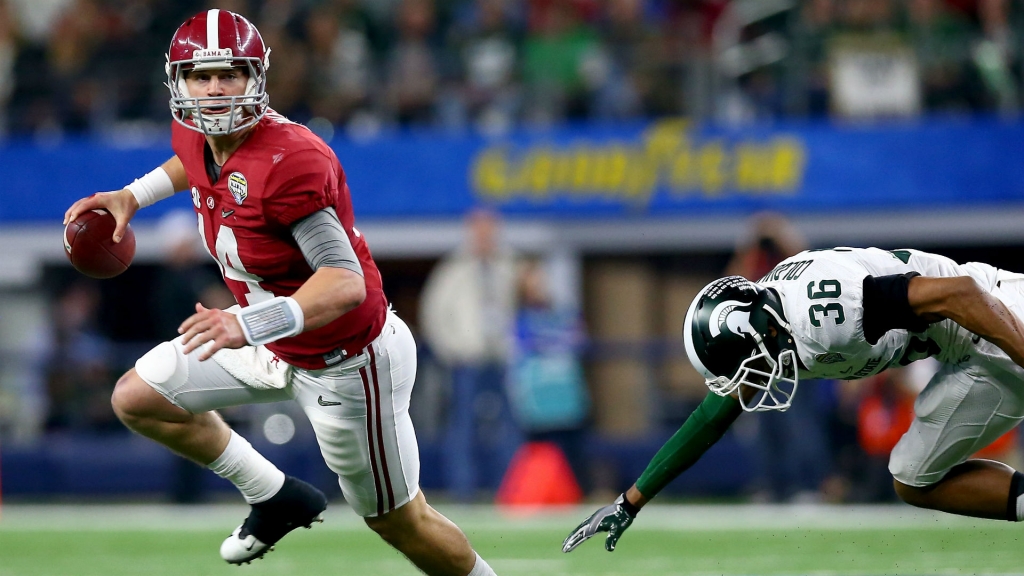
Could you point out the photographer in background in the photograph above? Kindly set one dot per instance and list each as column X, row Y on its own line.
column 792, row 452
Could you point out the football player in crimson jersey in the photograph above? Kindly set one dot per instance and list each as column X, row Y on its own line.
column 850, row 313
column 312, row 323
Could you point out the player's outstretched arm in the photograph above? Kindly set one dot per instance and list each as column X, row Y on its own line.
column 963, row 301
column 124, row 203
column 702, row 429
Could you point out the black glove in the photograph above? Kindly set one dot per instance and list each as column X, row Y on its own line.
column 613, row 519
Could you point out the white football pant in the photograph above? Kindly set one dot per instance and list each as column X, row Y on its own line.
column 359, row 409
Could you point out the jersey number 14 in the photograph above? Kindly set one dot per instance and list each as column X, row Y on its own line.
column 231, row 266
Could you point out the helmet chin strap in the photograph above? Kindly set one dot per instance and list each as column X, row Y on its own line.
column 219, row 124
column 778, row 318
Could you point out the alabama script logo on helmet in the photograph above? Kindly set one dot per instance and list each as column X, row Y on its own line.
column 216, row 40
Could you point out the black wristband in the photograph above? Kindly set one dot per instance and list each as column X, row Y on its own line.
column 629, row 507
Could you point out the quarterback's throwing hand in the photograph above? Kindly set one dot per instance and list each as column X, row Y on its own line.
column 121, row 204
column 613, row 519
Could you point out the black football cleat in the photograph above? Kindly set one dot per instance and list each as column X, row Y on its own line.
column 296, row 504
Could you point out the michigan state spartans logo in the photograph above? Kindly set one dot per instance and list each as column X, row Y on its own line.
column 829, row 358
column 732, row 316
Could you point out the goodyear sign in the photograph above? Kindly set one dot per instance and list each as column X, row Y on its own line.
column 666, row 168
column 665, row 158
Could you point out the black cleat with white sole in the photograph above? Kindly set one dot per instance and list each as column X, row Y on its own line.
column 296, row 504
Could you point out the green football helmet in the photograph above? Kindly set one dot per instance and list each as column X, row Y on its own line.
column 737, row 337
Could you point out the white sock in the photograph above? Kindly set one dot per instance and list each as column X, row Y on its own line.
column 481, row 568
column 1020, row 508
column 254, row 476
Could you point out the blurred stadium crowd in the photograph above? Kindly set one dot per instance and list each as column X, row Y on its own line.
column 72, row 66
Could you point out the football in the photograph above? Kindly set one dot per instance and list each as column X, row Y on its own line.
column 89, row 247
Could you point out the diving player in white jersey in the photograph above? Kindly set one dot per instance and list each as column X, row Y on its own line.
column 849, row 313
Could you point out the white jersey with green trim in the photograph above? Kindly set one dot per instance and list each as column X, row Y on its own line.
column 822, row 296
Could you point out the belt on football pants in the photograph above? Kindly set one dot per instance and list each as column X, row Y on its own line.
column 339, row 355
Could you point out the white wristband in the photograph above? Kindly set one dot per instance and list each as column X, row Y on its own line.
column 152, row 187
column 271, row 320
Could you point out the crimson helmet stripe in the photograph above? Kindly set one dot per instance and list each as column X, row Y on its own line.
column 216, row 30
column 213, row 29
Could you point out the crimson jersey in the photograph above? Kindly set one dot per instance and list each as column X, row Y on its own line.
column 279, row 175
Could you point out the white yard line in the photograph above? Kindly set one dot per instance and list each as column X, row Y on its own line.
column 18, row 517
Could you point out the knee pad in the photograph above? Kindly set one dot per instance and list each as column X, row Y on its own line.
column 165, row 367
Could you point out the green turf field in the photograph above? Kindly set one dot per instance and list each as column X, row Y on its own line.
column 101, row 540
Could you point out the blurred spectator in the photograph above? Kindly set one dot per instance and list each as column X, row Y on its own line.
column 817, row 19
column 79, row 376
column 770, row 239
column 26, row 343
column 631, row 62
column 466, row 313
column 289, row 61
column 562, row 61
column 496, row 63
column 998, row 53
column 487, row 43
column 412, row 67
column 869, row 15
column 873, row 70
column 236, row 6
column 71, row 58
column 791, row 447
column 341, row 66
column 942, row 43
column 8, row 54
column 549, row 393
